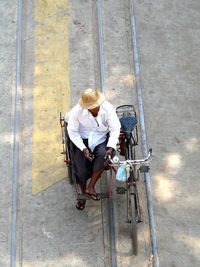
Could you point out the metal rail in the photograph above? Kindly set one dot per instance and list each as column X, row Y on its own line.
column 103, row 88
column 143, row 134
column 101, row 47
column 16, row 131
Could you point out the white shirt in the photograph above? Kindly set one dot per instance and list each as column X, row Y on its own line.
column 82, row 125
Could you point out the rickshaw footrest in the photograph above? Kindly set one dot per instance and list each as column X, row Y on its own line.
column 121, row 190
column 85, row 197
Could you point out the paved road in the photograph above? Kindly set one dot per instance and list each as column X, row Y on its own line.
column 169, row 52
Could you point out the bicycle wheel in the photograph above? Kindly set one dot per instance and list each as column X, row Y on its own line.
column 68, row 157
column 134, row 224
column 132, row 197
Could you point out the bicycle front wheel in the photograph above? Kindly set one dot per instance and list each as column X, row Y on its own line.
column 134, row 224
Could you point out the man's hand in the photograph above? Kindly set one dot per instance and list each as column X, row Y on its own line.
column 110, row 152
column 87, row 154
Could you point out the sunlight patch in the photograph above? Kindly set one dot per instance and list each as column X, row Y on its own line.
column 165, row 188
column 173, row 163
column 192, row 144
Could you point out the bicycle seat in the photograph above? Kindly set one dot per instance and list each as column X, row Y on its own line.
column 128, row 123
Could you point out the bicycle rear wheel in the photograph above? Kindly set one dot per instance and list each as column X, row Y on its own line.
column 68, row 157
column 134, row 224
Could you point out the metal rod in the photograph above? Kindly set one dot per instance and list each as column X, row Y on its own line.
column 101, row 47
column 112, row 232
column 16, row 137
column 103, row 88
column 143, row 135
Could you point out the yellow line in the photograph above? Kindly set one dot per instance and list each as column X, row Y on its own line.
column 51, row 91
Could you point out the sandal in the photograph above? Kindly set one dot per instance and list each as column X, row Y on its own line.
column 93, row 196
column 80, row 205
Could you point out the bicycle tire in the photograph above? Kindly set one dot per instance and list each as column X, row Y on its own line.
column 133, row 212
column 70, row 174
column 68, row 157
column 134, row 225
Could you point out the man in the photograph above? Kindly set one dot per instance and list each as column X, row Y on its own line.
column 94, row 128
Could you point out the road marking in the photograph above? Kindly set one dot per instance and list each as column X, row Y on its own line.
column 51, row 91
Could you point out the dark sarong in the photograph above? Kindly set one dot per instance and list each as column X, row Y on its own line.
column 83, row 168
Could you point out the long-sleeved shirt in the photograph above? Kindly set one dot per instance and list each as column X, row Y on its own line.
column 82, row 125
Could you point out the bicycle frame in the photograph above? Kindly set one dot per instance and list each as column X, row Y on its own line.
column 132, row 177
column 115, row 161
column 134, row 215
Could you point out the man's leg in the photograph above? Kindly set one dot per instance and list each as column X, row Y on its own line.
column 95, row 177
column 82, row 171
column 98, row 168
column 82, row 167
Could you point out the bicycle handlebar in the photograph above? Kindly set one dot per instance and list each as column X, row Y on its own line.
column 115, row 161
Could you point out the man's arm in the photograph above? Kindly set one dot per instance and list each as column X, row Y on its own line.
column 114, row 126
column 73, row 131
column 73, row 126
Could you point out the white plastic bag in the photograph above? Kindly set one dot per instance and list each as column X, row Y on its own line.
column 121, row 173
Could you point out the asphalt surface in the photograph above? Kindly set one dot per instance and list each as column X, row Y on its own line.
column 168, row 40
column 49, row 229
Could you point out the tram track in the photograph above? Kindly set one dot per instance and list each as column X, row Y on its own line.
column 138, row 93
column 111, row 218
column 143, row 135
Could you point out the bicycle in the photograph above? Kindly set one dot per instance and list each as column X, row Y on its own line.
column 128, row 140
column 127, row 147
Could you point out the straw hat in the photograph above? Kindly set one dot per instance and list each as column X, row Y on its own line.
column 91, row 99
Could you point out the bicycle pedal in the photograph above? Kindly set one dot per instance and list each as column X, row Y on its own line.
column 104, row 195
column 121, row 190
